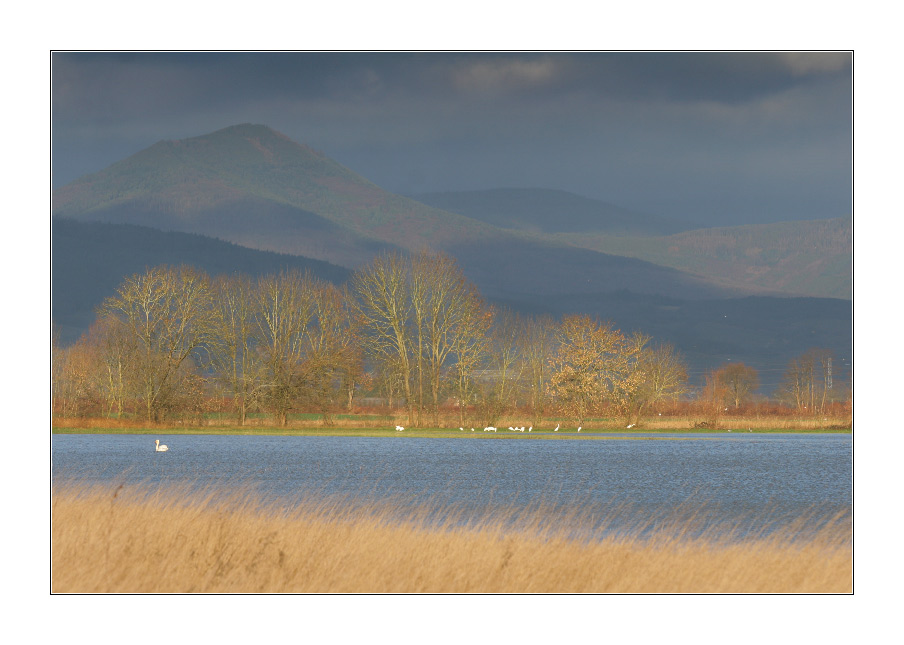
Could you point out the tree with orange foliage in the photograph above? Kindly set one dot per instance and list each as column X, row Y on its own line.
column 592, row 365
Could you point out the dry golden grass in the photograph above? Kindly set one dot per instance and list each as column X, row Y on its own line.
column 127, row 540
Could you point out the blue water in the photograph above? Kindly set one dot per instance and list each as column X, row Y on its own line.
column 748, row 479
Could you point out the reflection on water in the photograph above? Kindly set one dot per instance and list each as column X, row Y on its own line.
column 753, row 481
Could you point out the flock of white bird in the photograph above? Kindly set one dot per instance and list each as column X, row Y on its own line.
column 162, row 447
column 513, row 429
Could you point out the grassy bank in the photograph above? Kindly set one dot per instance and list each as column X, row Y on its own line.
column 129, row 540
column 313, row 426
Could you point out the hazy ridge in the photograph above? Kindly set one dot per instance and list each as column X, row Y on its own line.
column 540, row 210
column 812, row 258
column 806, row 258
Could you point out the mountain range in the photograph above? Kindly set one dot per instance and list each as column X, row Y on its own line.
column 247, row 198
column 542, row 210
column 804, row 258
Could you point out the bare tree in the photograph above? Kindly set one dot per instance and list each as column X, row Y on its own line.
column 503, row 366
column 469, row 345
column 383, row 305
column 418, row 275
column 443, row 299
column 808, row 383
column 712, row 397
column 350, row 366
column 658, row 373
column 333, row 357
column 168, row 314
column 387, row 379
column 536, row 347
column 285, row 307
column 738, row 381
column 233, row 350
column 77, row 381
column 118, row 353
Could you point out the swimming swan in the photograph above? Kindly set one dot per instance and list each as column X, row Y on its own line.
column 158, row 447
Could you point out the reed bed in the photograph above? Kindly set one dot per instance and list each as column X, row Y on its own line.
column 134, row 539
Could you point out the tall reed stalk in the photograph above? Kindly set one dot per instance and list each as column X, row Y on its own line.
column 133, row 539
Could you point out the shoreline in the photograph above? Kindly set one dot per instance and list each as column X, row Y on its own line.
column 434, row 432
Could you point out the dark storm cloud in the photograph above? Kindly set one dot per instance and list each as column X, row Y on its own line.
column 135, row 82
column 739, row 136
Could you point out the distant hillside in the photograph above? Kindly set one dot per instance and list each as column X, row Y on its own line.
column 254, row 186
column 812, row 258
column 90, row 259
column 539, row 210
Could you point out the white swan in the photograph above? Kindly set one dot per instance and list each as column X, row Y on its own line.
column 557, row 429
column 158, row 447
column 399, row 428
column 579, row 428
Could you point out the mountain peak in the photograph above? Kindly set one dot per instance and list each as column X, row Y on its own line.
column 249, row 175
column 247, row 131
column 247, row 128
column 244, row 142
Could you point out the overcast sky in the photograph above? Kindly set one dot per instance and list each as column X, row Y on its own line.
column 717, row 138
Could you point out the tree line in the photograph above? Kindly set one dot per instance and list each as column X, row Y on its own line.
column 409, row 330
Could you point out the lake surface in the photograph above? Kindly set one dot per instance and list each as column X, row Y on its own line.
column 751, row 480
